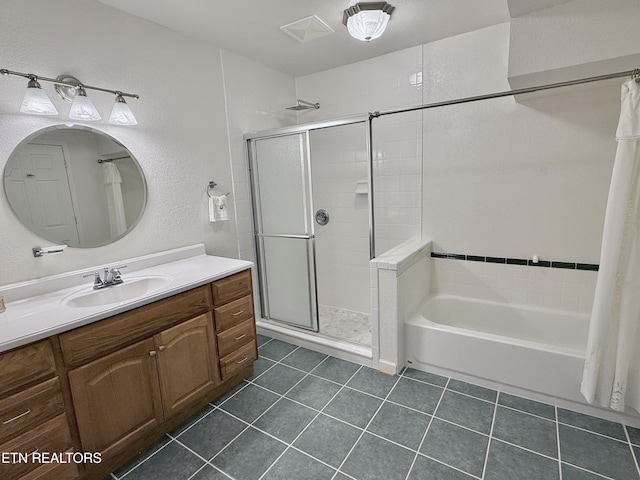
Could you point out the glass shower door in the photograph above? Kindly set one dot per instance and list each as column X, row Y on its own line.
column 280, row 178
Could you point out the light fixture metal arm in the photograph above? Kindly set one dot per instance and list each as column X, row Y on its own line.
column 4, row 71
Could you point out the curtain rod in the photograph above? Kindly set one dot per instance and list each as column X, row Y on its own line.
column 633, row 73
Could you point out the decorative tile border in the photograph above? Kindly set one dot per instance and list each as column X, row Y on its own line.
column 518, row 261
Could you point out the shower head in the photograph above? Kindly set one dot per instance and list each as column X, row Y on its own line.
column 303, row 105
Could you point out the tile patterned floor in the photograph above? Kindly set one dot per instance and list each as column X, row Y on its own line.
column 345, row 325
column 305, row 415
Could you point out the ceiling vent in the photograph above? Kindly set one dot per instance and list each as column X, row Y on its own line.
column 307, row 29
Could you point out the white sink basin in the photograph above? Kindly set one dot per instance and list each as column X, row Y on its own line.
column 132, row 288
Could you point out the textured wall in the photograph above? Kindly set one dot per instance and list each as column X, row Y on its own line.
column 181, row 140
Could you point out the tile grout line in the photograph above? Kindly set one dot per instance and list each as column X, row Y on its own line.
column 633, row 453
column 493, row 422
column 290, row 445
column 555, row 410
column 207, row 464
column 424, row 436
column 145, row 459
column 364, row 430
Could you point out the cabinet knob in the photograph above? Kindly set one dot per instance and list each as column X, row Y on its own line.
column 152, row 353
column 161, row 348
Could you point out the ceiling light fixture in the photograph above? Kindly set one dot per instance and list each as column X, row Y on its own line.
column 72, row 90
column 367, row 21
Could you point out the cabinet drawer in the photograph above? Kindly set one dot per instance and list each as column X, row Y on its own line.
column 29, row 408
column 238, row 360
column 231, row 288
column 54, row 471
column 50, row 437
column 86, row 343
column 236, row 337
column 233, row 313
column 25, row 365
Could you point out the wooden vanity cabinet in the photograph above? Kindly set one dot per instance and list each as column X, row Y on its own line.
column 137, row 375
column 32, row 413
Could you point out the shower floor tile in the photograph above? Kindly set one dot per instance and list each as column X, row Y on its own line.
column 354, row 327
column 342, row 421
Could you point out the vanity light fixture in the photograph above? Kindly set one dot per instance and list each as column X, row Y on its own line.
column 367, row 21
column 35, row 100
column 74, row 91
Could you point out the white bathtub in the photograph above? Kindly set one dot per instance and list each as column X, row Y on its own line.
column 536, row 349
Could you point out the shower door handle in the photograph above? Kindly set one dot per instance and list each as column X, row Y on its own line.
column 322, row 217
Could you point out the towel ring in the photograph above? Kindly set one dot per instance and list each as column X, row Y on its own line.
column 213, row 185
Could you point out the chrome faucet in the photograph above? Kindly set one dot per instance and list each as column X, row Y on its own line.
column 112, row 276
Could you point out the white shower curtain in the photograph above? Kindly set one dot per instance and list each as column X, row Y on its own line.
column 115, row 205
column 611, row 375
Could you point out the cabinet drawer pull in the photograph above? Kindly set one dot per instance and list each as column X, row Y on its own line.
column 17, row 417
column 240, row 337
column 237, row 313
column 242, row 361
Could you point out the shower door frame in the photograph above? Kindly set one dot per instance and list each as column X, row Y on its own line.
column 305, row 129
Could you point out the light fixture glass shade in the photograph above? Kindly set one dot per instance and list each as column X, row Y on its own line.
column 121, row 114
column 82, row 108
column 36, row 101
column 367, row 25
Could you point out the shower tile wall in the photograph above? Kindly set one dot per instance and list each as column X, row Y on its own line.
column 381, row 83
column 557, row 288
column 338, row 162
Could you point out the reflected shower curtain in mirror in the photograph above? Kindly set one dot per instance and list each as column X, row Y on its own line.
column 611, row 375
column 115, row 205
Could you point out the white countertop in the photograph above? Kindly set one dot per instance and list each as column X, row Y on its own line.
column 36, row 309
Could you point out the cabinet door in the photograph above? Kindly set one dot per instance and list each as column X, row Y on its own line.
column 187, row 362
column 116, row 398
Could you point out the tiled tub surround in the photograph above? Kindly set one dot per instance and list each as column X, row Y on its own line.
column 305, row 415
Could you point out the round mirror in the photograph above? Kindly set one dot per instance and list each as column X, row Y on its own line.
column 75, row 186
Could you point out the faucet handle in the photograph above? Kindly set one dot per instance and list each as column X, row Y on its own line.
column 97, row 281
column 116, row 275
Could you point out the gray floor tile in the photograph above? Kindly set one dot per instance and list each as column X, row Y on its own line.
column 506, row 462
column 296, row 465
column 212, row 433
column 529, row 406
column 209, row 473
column 456, row 446
column 634, row 435
column 328, row 440
column 372, row 381
column 466, row 411
column 374, row 458
column 304, row 359
column 173, row 462
column 432, row 378
column 224, row 397
column 336, row 370
column 249, row 403
column 314, row 392
column 473, row 390
column 400, row 425
column 285, row 420
column 427, row 469
column 279, row 378
column 418, row 395
column 142, row 456
column 353, row 407
column 249, row 455
column 260, row 366
column 192, row 421
column 526, row 431
column 262, row 339
column 276, row 349
column 593, row 424
column 597, row 454
column 569, row 472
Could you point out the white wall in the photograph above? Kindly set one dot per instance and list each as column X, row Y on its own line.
column 256, row 97
column 181, row 140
